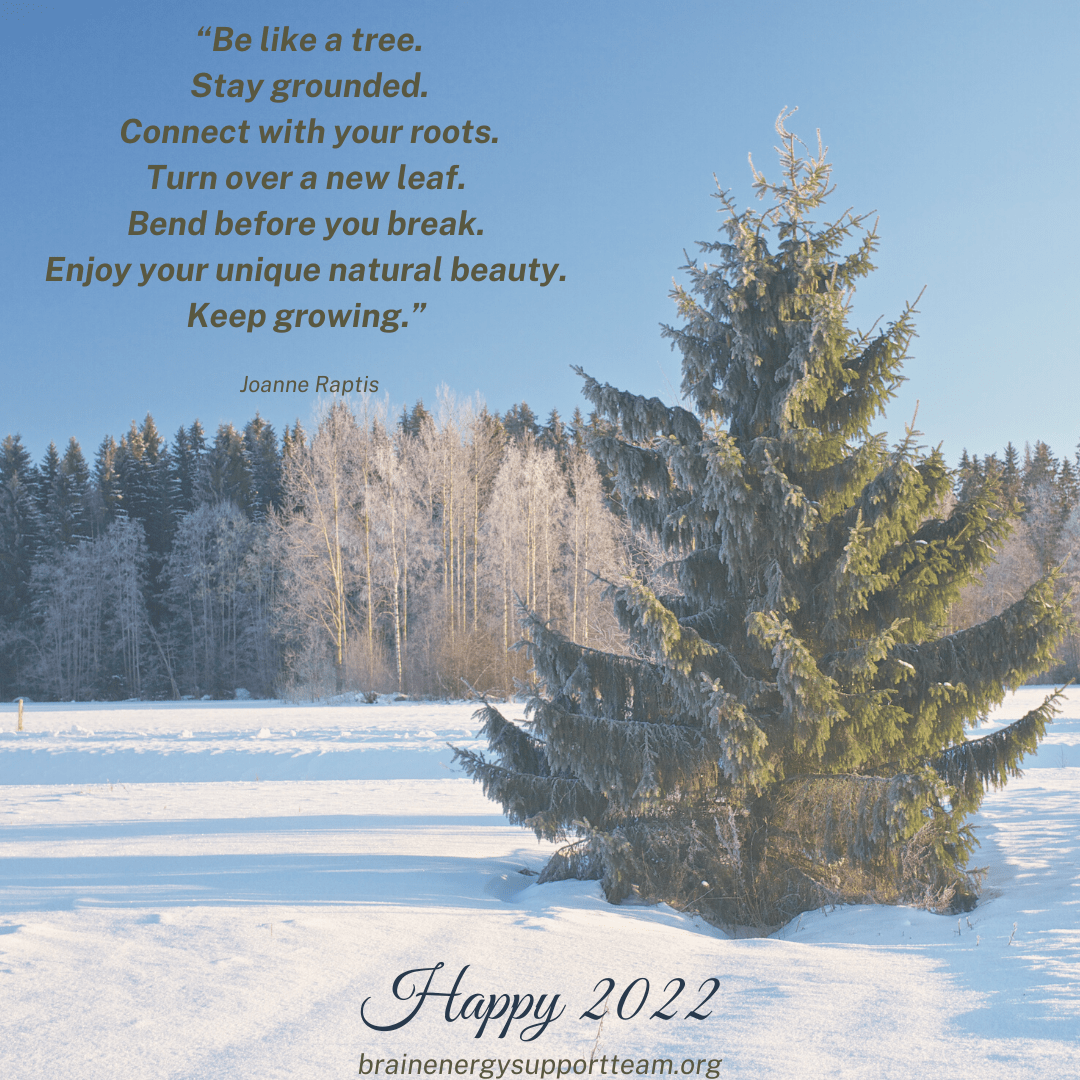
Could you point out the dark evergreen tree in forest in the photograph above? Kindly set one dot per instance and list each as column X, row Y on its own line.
column 788, row 727
column 45, row 478
column 554, row 436
column 292, row 442
column 64, row 497
column 227, row 475
column 142, row 480
column 1068, row 487
column 520, row 422
column 20, row 539
column 264, row 463
column 106, row 498
column 417, row 421
column 577, row 429
column 188, row 461
column 1040, row 466
column 1010, row 477
column 74, row 495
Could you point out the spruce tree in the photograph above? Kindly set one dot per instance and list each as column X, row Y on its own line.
column 1040, row 466
column 44, row 481
column 65, row 498
column 133, row 462
column 264, row 462
column 106, row 498
column 554, row 436
column 1068, row 487
column 1010, row 477
column 20, row 545
column 416, row 423
column 520, row 423
column 787, row 728
column 184, row 468
column 228, row 472
column 577, row 429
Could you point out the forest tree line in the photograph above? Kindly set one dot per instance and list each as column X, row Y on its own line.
column 1047, row 535
column 372, row 554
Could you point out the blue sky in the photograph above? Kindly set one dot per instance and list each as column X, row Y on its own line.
column 955, row 122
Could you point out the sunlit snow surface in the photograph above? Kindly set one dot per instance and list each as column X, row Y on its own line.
column 81, row 743
column 165, row 914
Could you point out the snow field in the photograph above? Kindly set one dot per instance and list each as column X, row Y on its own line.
column 235, row 928
column 83, row 742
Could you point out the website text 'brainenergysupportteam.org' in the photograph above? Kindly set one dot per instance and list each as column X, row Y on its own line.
column 498, row 1068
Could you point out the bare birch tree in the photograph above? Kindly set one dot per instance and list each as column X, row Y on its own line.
column 316, row 539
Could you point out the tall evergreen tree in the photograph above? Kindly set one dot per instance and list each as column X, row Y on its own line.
column 577, row 429
column 44, row 481
column 416, row 422
column 133, row 464
column 520, row 423
column 1040, row 468
column 161, row 504
column 264, row 462
column 969, row 475
column 20, row 538
column 1068, row 487
column 789, row 729
column 1011, row 478
column 227, row 476
column 68, row 511
column 292, row 441
column 554, row 436
column 64, row 496
column 188, row 463
column 106, row 497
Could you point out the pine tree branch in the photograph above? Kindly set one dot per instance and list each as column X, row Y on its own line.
column 978, row 764
column 619, row 687
column 639, row 417
column 628, row 761
column 975, row 664
column 514, row 748
column 548, row 805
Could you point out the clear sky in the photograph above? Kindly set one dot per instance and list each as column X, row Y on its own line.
column 956, row 122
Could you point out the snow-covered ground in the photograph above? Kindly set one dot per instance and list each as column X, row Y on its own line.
column 163, row 913
column 92, row 743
